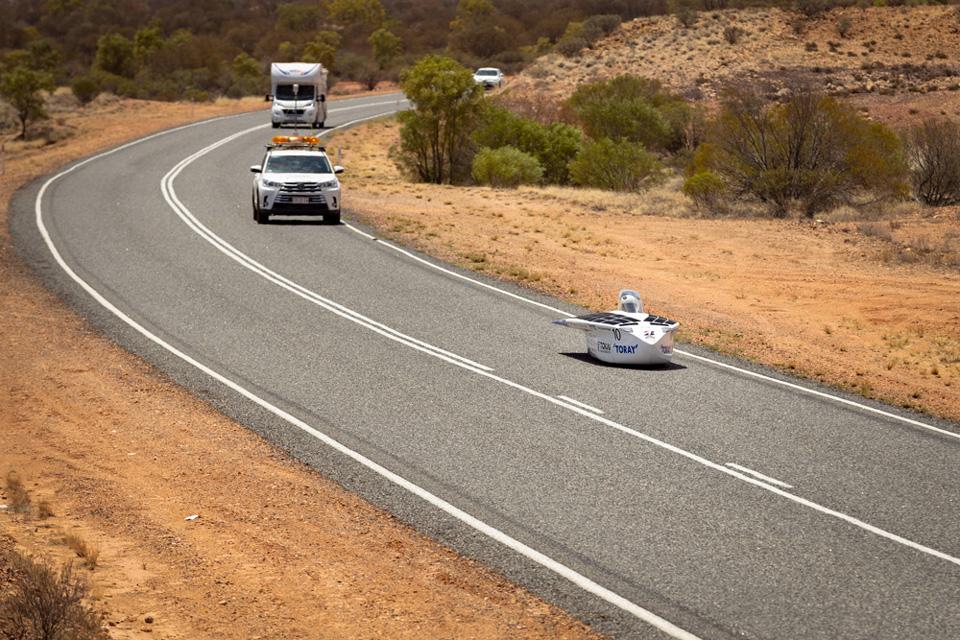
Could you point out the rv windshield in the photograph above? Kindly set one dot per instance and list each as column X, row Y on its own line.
column 285, row 92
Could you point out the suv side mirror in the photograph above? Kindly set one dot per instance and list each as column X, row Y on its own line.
column 337, row 168
column 267, row 98
column 323, row 97
column 255, row 168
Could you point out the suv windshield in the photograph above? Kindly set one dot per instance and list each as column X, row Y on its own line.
column 314, row 163
column 285, row 92
column 487, row 72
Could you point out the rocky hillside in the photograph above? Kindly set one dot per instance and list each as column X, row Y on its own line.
column 878, row 51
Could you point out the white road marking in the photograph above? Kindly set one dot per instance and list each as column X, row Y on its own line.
column 687, row 354
column 757, row 474
column 581, row 404
column 248, row 262
column 534, row 555
column 171, row 197
column 495, row 534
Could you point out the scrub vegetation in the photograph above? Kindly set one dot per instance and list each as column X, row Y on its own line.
column 42, row 602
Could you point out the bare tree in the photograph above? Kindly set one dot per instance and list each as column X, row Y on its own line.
column 933, row 151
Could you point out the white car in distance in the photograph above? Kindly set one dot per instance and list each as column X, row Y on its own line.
column 489, row 77
column 296, row 178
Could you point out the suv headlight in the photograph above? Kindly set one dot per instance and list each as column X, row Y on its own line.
column 330, row 184
column 270, row 184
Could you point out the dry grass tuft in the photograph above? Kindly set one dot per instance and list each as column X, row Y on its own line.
column 88, row 552
column 43, row 603
column 17, row 495
column 44, row 510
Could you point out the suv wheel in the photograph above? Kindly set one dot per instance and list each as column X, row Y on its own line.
column 332, row 218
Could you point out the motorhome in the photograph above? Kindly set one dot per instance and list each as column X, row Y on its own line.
column 299, row 93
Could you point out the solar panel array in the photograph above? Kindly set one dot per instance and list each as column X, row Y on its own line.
column 617, row 320
column 612, row 319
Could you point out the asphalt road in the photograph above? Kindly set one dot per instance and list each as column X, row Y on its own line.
column 438, row 398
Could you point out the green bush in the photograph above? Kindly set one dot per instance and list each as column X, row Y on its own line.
column 604, row 24
column 435, row 136
column 634, row 109
column 617, row 166
column 553, row 145
column 817, row 152
column 570, row 47
column 706, row 189
column 85, row 88
column 505, row 167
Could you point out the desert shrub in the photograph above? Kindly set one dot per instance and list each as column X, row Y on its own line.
column 505, row 167
column 45, row 604
column 732, row 34
column 604, row 24
column 811, row 8
column 811, row 150
column 85, row 88
column 435, row 137
column 684, row 12
column 581, row 35
column 17, row 495
column 844, row 25
column 617, row 166
column 570, row 47
column 933, row 150
column 553, row 145
column 631, row 108
column 706, row 189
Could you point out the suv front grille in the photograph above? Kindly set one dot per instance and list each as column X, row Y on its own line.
column 300, row 187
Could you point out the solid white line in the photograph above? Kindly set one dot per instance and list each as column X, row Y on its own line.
column 169, row 194
column 560, row 569
column 687, row 354
column 760, row 475
column 581, row 404
column 242, row 258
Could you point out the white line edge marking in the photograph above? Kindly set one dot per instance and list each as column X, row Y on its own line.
column 687, row 354
column 532, row 554
column 243, row 259
column 581, row 404
column 763, row 477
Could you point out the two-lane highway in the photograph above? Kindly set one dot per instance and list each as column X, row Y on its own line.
column 699, row 500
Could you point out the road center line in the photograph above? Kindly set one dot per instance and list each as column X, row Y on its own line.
column 757, row 474
column 581, row 404
column 187, row 216
column 686, row 354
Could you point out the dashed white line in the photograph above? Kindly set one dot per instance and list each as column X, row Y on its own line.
column 757, row 474
column 682, row 352
column 581, row 404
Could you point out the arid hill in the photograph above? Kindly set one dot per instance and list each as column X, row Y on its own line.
column 883, row 54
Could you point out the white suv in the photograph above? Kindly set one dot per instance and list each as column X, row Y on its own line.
column 296, row 178
column 488, row 77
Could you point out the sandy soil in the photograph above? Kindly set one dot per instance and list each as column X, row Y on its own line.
column 832, row 300
column 122, row 457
